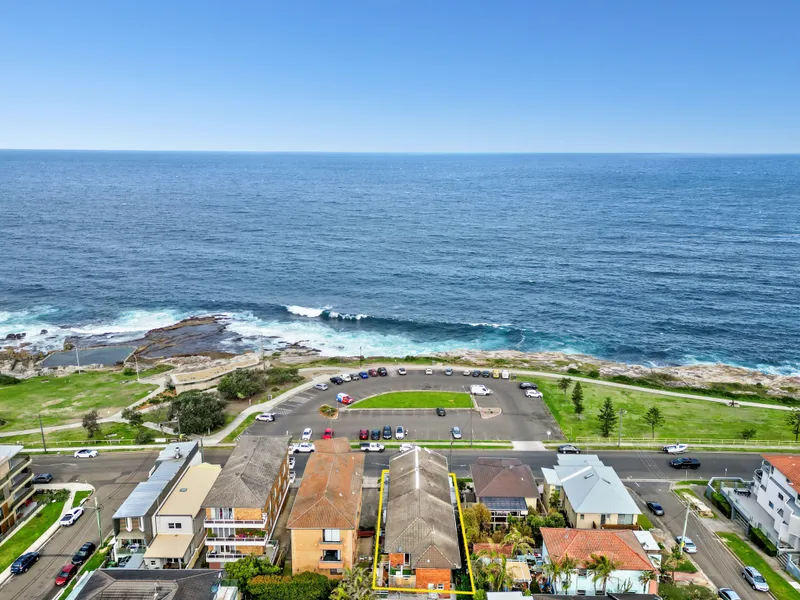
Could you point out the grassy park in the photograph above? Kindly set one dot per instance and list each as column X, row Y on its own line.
column 25, row 536
column 778, row 586
column 684, row 418
column 416, row 400
column 108, row 433
column 62, row 400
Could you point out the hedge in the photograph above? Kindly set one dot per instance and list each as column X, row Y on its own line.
column 721, row 502
column 762, row 541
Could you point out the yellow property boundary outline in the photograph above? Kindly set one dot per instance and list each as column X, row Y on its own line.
column 378, row 539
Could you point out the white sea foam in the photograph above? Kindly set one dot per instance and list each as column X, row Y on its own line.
column 304, row 311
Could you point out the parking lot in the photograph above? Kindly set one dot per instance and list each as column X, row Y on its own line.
column 521, row 418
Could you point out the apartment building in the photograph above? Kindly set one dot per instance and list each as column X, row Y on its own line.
column 421, row 546
column 180, row 521
column 324, row 518
column 134, row 522
column 590, row 493
column 16, row 486
column 242, row 507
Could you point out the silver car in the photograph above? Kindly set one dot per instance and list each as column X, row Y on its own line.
column 456, row 431
column 755, row 579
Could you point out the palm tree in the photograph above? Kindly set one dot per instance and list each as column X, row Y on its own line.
column 495, row 572
column 520, row 544
column 569, row 567
column 646, row 577
column 355, row 585
column 602, row 567
column 552, row 568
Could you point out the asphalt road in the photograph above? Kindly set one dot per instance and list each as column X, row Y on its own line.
column 711, row 556
column 521, row 418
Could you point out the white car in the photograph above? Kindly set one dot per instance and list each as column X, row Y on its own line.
column 304, row 447
column 456, row 432
column 85, row 453
column 467, row 372
column 676, row 448
column 267, row 417
column 400, row 433
column 292, row 477
column 306, row 434
column 291, row 462
column 321, row 386
column 406, row 447
column 401, row 371
column 70, row 517
column 504, row 374
column 346, row 377
column 533, row 394
column 688, row 544
column 428, row 371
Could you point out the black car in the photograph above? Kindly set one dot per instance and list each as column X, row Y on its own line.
column 337, row 380
column 527, row 385
column 43, row 478
column 24, row 562
column 476, row 373
column 568, row 449
column 375, row 435
column 440, row 412
column 656, row 509
column 685, row 463
column 486, row 374
column 382, row 371
column 387, row 432
column 84, row 553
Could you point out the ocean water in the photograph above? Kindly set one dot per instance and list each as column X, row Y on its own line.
column 655, row 259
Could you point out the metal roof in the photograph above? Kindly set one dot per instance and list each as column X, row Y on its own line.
column 8, row 451
column 590, row 486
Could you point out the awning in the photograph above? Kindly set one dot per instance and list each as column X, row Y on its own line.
column 169, row 546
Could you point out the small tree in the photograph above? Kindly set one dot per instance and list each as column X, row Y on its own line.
column 244, row 569
column 602, row 567
column 646, row 577
column 577, row 398
column 144, row 436
column 355, row 585
column 242, row 384
column 555, row 500
column 482, row 516
column 133, row 416
column 607, row 418
column 90, row 423
column 793, row 419
column 569, row 567
column 520, row 544
column 563, row 385
column 654, row 418
column 197, row 412
column 748, row 434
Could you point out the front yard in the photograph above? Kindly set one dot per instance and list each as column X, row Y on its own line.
column 21, row 540
column 778, row 586
column 684, row 418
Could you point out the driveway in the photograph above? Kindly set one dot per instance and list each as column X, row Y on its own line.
column 521, row 418
column 712, row 556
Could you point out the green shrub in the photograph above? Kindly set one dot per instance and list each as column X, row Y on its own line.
column 721, row 502
column 283, row 375
column 762, row 541
column 8, row 380
column 573, row 371
column 144, row 436
column 594, row 373
column 129, row 371
column 242, row 384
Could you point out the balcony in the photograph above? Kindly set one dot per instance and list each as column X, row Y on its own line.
column 235, row 523
column 18, row 463
column 22, row 495
column 239, row 540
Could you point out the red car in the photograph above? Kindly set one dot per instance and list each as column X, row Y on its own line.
column 344, row 398
column 363, row 434
column 65, row 574
column 328, row 434
column 373, row 373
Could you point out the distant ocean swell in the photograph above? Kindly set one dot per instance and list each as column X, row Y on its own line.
column 333, row 332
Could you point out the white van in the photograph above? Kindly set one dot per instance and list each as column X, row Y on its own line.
column 345, row 376
column 479, row 390
column 504, row 374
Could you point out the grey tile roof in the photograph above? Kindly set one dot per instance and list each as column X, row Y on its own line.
column 503, row 477
column 155, row 584
column 420, row 512
column 248, row 476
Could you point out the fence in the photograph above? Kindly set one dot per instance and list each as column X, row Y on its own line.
column 613, row 440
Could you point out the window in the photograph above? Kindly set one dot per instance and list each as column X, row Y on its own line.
column 152, row 562
column 439, row 586
column 406, row 560
column 771, row 505
column 337, row 571
column 175, row 525
column 581, row 592
column 582, row 516
column 331, row 556
column 331, row 535
column 582, row 572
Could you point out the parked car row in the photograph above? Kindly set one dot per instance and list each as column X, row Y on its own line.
column 65, row 574
column 345, row 377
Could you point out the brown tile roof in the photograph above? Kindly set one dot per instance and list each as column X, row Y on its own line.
column 503, row 478
column 330, row 494
column 788, row 464
column 619, row 544
column 502, row 549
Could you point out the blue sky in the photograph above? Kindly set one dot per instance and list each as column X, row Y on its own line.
column 401, row 75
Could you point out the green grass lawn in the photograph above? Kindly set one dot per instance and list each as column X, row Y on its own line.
column 62, row 400
column 416, row 400
column 779, row 587
column 25, row 536
column 645, row 522
column 683, row 418
column 108, row 432
column 76, row 501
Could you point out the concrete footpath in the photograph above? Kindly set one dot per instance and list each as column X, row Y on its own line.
column 51, row 531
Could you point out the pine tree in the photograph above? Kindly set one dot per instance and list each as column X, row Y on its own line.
column 577, row 398
column 607, row 417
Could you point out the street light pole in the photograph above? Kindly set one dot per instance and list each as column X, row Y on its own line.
column 136, row 362
column 41, row 430
column 99, row 524
column 685, row 525
column 77, row 357
column 622, row 411
column 450, row 460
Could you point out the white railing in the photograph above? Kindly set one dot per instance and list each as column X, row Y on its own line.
column 612, row 440
column 235, row 523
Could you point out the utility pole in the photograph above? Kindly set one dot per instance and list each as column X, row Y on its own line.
column 622, row 411
column 360, row 357
column 685, row 525
column 136, row 362
column 202, row 456
column 77, row 357
column 99, row 524
column 41, row 430
column 450, row 460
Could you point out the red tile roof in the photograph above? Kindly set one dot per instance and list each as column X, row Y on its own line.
column 619, row 544
column 789, row 465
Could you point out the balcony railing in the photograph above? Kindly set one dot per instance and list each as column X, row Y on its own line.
column 235, row 523
column 249, row 540
column 18, row 463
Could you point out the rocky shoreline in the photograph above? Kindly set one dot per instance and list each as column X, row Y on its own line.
column 206, row 338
